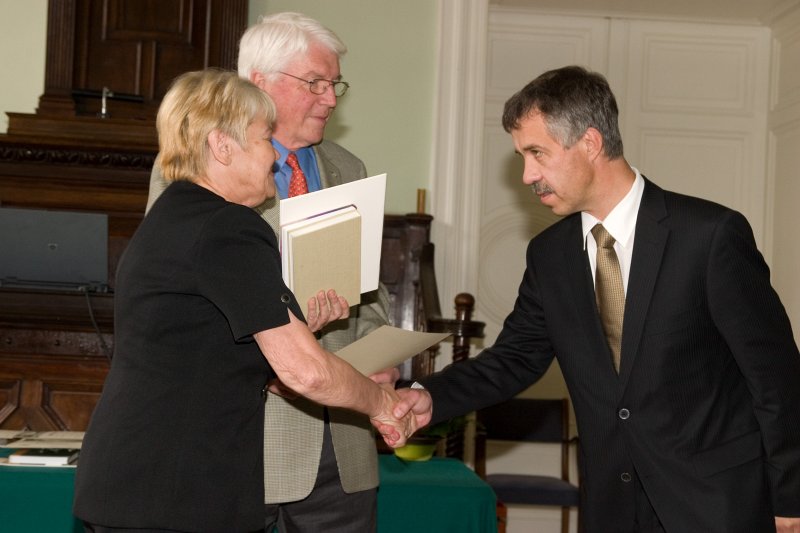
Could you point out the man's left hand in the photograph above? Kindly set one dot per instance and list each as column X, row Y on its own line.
column 326, row 308
column 387, row 376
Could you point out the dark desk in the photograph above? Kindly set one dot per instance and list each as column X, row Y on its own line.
column 437, row 496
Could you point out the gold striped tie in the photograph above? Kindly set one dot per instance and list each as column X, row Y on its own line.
column 609, row 291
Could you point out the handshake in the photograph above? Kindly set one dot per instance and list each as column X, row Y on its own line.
column 401, row 411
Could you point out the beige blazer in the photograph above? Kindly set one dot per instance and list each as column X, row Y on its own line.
column 293, row 429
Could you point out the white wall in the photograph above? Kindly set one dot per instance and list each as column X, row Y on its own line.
column 23, row 27
column 784, row 163
column 386, row 118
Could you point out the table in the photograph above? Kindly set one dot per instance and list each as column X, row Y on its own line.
column 436, row 496
column 37, row 499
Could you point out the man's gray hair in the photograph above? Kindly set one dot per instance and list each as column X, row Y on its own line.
column 269, row 45
column 571, row 100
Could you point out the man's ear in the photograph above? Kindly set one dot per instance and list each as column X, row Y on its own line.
column 220, row 146
column 258, row 79
column 593, row 143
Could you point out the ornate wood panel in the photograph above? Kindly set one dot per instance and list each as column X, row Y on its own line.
column 135, row 48
column 52, row 359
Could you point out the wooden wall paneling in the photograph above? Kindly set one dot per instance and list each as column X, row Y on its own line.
column 57, row 96
column 10, row 400
column 47, row 393
column 133, row 47
column 52, row 360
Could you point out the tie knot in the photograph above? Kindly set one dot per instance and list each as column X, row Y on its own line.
column 602, row 237
column 291, row 160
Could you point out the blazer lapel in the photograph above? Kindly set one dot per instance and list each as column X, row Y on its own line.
column 329, row 174
column 648, row 249
column 270, row 211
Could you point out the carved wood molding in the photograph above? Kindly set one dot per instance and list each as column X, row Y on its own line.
column 88, row 156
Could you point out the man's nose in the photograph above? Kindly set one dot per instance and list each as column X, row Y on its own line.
column 530, row 174
column 328, row 97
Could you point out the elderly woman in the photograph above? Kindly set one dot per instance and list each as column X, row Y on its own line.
column 203, row 324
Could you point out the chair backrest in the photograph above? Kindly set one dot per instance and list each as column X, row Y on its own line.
column 526, row 419
column 407, row 272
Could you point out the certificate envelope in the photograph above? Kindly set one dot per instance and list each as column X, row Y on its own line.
column 386, row 347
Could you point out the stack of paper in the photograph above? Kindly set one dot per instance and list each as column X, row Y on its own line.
column 44, row 456
column 323, row 252
column 8, row 435
column 47, row 439
column 44, row 448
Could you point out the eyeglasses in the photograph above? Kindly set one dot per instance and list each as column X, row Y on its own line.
column 319, row 86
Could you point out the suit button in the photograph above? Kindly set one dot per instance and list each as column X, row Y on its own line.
column 285, row 298
column 624, row 414
column 625, row 477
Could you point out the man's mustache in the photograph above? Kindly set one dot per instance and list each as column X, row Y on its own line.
column 540, row 187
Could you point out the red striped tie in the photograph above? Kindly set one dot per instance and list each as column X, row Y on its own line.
column 297, row 183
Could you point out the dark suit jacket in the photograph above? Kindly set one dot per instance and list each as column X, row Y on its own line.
column 706, row 408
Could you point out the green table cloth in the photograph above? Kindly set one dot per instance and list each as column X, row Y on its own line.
column 436, row 496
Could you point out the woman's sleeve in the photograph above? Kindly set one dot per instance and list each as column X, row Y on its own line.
column 239, row 271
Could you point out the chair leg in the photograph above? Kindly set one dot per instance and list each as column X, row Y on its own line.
column 565, row 520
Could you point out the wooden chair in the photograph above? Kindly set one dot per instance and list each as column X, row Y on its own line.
column 529, row 420
column 407, row 271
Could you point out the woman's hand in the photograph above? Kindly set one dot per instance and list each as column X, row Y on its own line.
column 326, row 308
column 394, row 431
column 276, row 386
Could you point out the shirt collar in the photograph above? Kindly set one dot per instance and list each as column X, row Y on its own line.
column 621, row 221
column 283, row 153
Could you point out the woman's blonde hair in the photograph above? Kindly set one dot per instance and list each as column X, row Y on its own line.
column 198, row 103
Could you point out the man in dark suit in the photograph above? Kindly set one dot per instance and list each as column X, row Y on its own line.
column 321, row 465
column 695, row 427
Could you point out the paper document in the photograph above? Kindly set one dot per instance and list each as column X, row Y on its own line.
column 367, row 197
column 44, row 457
column 386, row 347
column 48, row 439
column 15, row 433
